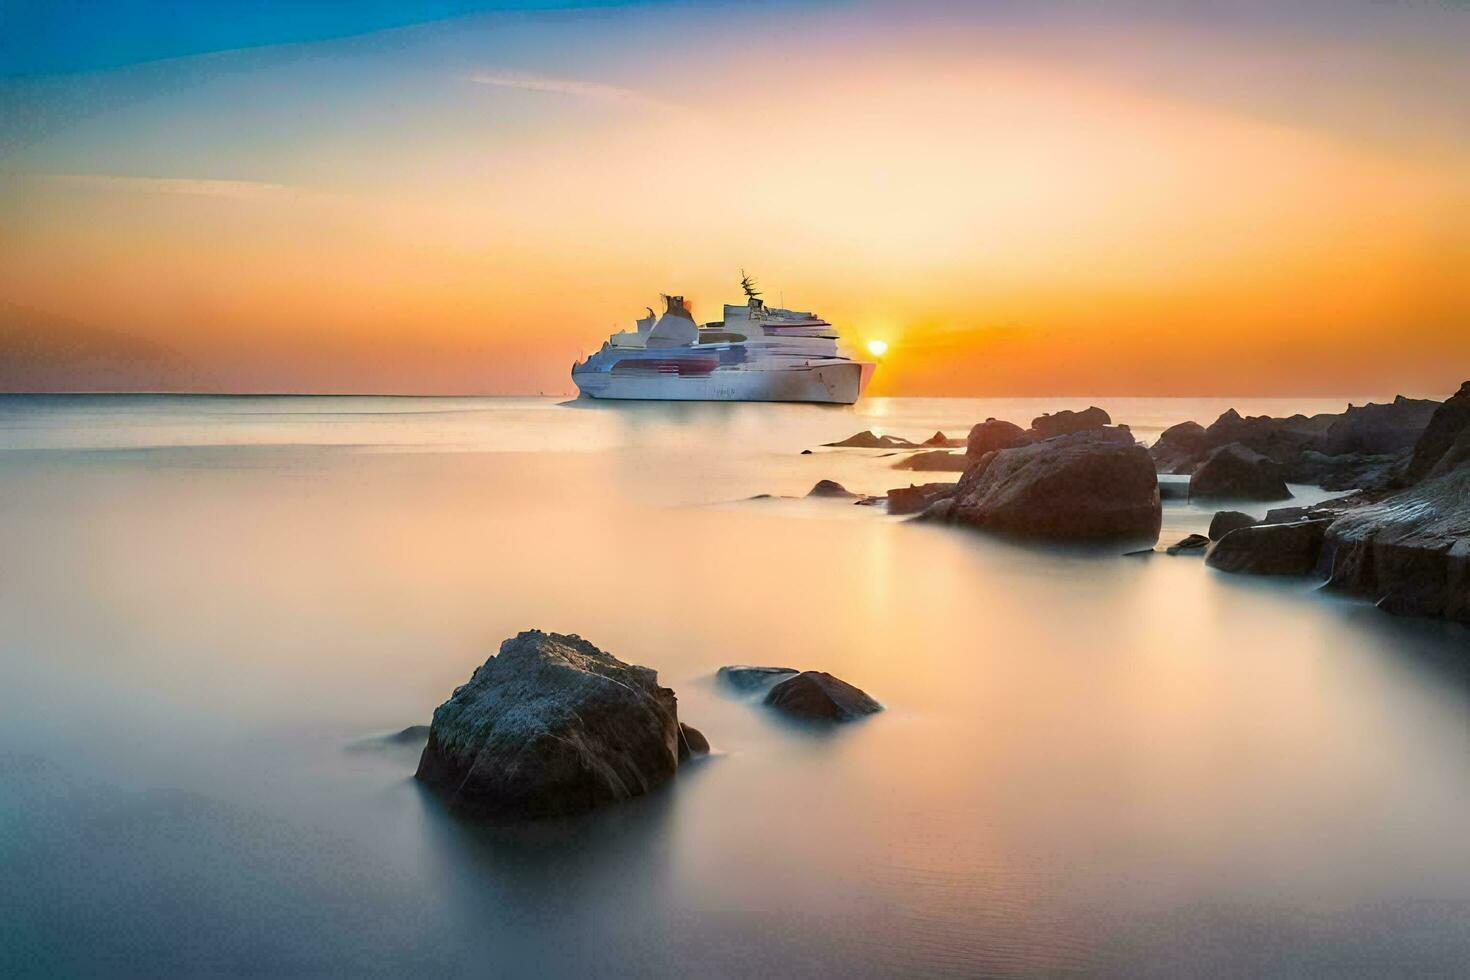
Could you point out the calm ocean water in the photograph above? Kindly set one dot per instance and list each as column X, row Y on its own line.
column 1129, row 767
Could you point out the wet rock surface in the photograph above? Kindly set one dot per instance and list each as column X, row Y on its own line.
column 914, row 499
column 1226, row 521
column 1409, row 553
column 1094, row 484
column 1179, row 448
column 992, row 435
column 551, row 725
column 1239, row 472
column 815, row 695
column 1190, row 544
column 1066, row 423
column 1269, row 549
column 746, row 678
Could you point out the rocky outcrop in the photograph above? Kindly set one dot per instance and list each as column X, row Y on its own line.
column 1409, row 552
column 867, row 440
column 815, row 695
column 552, row 725
column 914, row 499
column 935, row 461
column 745, row 678
column 1179, row 448
column 1447, row 425
column 1277, row 438
column 1343, row 472
column 691, row 742
column 1235, row 471
column 1093, row 484
column 1065, row 423
column 941, row 441
column 1269, row 549
column 1226, row 521
column 830, row 488
column 1379, row 429
column 992, row 435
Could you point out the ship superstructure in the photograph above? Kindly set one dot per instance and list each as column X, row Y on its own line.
column 755, row 353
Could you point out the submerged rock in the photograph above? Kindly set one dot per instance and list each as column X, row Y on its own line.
column 937, row 460
column 1239, row 472
column 992, row 435
column 1409, row 552
column 551, row 725
column 1093, row 484
column 914, row 499
column 829, row 488
column 942, row 441
column 691, row 742
column 817, row 695
column 867, row 440
column 1269, row 549
column 745, row 679
column 1226, row 521
column 1065, row 423
column 1190, row 544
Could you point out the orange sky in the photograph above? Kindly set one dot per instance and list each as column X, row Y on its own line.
column 1016, row 204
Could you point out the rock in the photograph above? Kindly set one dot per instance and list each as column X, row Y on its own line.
column 412, row 735
column 1226, row 521
column 939, row 512
column 938, row 460
column 818, row 696
column 1409, row 552
column 1064, row 423
column 806, row 452
column 942, row 441
column 994, row 434
column 1379, row 429
column 829, row 488
column 913, row 499
column 866, row 440
column 1097, row 483
column 1233, row 470
column 1278, row 438
column 1190, row 544
column 1286, row 515
column 745, row 679
column 1446, row 425
column 1343, row 472
column 691, row 742
column 551, row 725
column 1269, row 549
column 1179, row 448
column 1139, row 553
column 1455, row 456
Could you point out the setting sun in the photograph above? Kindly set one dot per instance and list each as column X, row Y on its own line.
column 877, row 347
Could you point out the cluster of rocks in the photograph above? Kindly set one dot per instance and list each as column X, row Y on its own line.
column 1402, row 542
column 1366, row 446
column 552, row 726
column 809, row 695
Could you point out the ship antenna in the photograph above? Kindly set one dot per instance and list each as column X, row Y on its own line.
column 748, row 284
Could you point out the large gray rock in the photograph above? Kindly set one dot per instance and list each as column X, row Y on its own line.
column 1065, row 423
column 816, row 695
column 1379, row 429
column 1235, row 471
column 1449, row 422
column 1097, row 483
column 1269, row 549
column 551, row 725
column 1278, row 438
column 992, row 435
column 1410, row 552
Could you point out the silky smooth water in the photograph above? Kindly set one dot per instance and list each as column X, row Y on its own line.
column 209, row 607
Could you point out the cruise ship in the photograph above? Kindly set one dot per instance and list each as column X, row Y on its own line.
column 755, row 354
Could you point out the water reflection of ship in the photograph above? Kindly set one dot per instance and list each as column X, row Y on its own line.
column 756, row 353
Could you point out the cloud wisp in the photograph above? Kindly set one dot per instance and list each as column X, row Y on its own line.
column 595, row 91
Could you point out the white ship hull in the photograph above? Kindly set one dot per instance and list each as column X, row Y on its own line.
column 833, row 383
